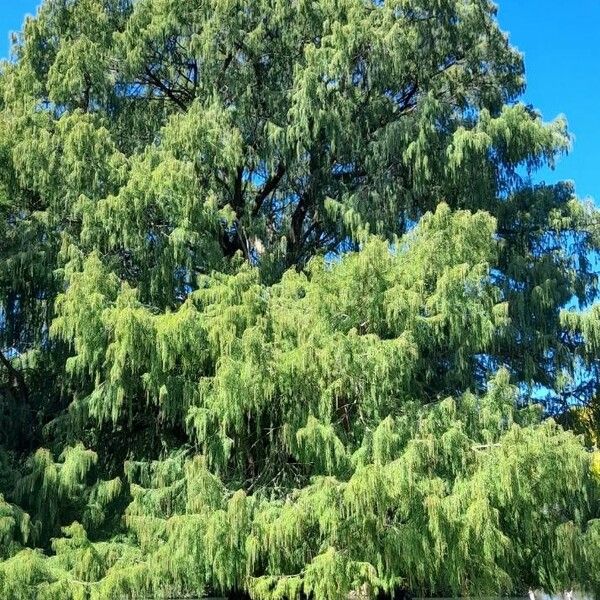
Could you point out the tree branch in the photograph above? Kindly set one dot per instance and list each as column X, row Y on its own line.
column 17, row 379
column 238, row 196
column 268, row 188
column 154, row 79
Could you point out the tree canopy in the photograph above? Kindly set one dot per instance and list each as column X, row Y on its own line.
column 281, row 310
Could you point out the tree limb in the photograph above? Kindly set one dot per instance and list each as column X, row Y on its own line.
column 268, row 188
column 154, row 79
column 17, row 379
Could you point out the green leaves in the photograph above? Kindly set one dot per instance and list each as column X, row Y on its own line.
column 231, row 350
column 274, row 288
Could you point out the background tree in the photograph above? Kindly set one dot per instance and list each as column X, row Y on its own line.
column 275, row 291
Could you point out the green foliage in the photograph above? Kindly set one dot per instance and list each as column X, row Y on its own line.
column 275, row 292
column 455, row 506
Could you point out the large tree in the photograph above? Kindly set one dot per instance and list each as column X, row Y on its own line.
column 276, row 294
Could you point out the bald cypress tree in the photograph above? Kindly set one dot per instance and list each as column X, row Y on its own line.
column 281, row 311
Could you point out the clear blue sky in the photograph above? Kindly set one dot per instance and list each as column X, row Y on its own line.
column 561, row 44
column 12, row 13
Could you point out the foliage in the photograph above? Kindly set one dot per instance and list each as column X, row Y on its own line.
column 276, row 297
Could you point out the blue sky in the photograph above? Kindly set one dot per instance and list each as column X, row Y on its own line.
column 561, row 44
column 12, row 13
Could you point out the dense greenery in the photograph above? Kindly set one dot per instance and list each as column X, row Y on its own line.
column 281, row 311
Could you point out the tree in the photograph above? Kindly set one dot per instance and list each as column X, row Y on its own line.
column 275, row 290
